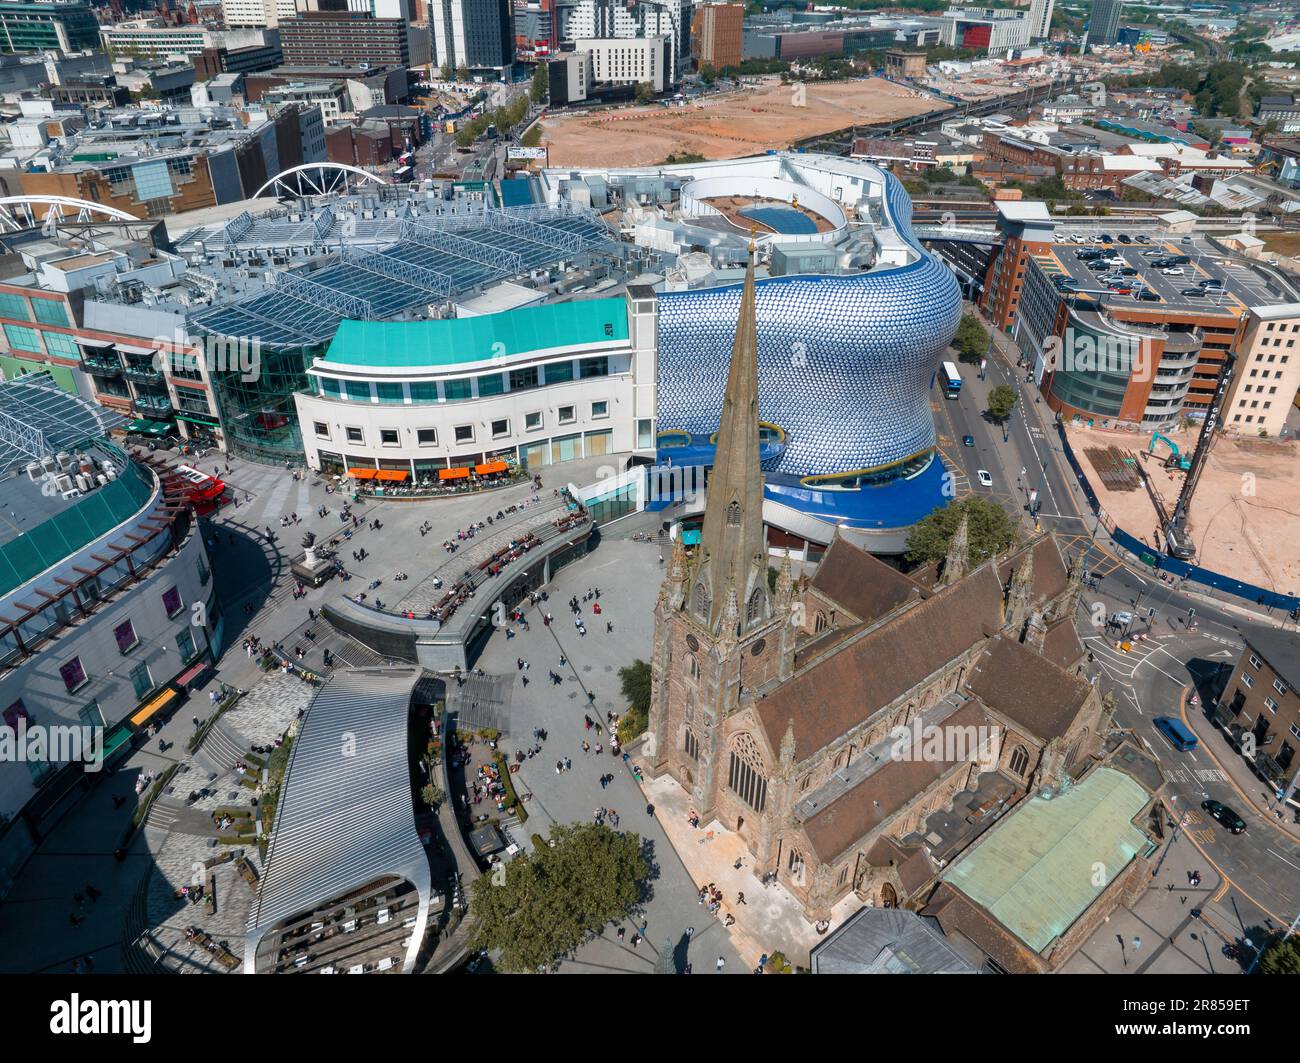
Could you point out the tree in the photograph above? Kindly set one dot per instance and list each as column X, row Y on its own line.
column 444, row 72
column 1281, row 957
column 1002, row 400
column 462, row 72
column 971, row 341
column 645, row 92
column 541, row 84
column 990, row 531
column 587, row 877
column 634, row 679
column 707, row 74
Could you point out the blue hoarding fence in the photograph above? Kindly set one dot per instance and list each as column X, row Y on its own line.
column 1288, row 603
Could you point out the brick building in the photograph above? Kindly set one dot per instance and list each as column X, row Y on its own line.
column 717, row 35
column 1262, row 700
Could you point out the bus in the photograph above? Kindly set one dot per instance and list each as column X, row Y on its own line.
column 951, row 379
column 204, row 492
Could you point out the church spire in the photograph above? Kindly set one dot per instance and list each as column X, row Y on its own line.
column 732, row 558
column 955, row 561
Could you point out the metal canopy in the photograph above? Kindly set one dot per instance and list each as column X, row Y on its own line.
column 38, row 418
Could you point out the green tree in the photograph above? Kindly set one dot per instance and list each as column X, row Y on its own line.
column 462, row 72
column 990, row 531
column 444, row 71
column 634, row 679
column 971, row 341
column 645, row 92
column 551, row 902
column 541, row 84
column 707, row 74
column 1281, row 957
column 1002, row 400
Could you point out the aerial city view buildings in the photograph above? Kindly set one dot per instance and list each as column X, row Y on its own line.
column 876, row 422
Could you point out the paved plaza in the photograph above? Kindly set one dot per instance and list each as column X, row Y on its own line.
column 138, row 902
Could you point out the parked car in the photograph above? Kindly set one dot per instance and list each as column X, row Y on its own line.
column 1212, row 285
column 1106, row 238
column 1142, row 239
column 1147, row 295
column 1225, row 815
column 1127, row 271
column 1193, row 291
column 1124, row 238
column 984, row 478
column 1172, row 271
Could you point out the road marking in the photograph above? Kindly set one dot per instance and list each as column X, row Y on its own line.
column 1283, row 859
column 1210, row 775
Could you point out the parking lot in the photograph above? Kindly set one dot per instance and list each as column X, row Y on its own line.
column 1241, row 286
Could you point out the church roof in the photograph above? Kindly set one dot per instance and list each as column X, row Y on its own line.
column 1061, row 645
column 862, row 584
column 910, row 861
column 1028, row 689
column 1034, row 872
column 888, row 941
column 883, row 792
column 836, row 694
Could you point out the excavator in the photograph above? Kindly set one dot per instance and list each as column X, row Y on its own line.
column 1175, row 459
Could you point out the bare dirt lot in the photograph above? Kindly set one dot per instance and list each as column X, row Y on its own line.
column 728, row 126
column 1245, row 517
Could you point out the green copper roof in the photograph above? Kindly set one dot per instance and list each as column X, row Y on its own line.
column 1039, row 869
column 457, row 341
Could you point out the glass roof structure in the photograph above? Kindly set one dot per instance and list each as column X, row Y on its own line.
column 39, row 418
column 432, row 259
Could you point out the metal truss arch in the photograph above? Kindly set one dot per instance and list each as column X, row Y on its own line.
column 317, row 179
column 23, row 212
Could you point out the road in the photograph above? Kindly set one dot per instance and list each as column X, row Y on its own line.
column 1260, row 868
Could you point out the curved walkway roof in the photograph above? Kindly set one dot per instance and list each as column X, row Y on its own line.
column 346, row 815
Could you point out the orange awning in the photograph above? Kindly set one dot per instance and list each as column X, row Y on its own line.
column 490, row 467
column 362, row 474
column 395, row 475
column 452, row 474
column 159, row 702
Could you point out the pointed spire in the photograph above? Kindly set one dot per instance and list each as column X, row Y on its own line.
column 1036, row 632
column 732, row 556
column 956, row 561
column 676, row 579
column 1020, row 594
column 787, row 743
column 785, row 583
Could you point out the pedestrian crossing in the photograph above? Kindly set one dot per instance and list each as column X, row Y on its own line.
column 1116, row 663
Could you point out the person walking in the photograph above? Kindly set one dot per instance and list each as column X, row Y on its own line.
column 722, row 962
column 740, row 898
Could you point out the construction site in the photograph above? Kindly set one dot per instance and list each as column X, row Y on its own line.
column 730, row 125
column 1244, row 511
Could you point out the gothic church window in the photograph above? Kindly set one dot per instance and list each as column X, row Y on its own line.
column 733, row 515
column 691, row 744
column 754, row 610
column 1019, row 761
column 702, row 601
column 745, row 775
column 819, row 624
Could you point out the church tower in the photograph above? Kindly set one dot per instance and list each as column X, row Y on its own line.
column 720, row 634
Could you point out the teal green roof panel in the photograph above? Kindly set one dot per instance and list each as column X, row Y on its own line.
column 462, row 340
column 1040, row 868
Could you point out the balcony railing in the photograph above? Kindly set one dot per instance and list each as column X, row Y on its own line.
column 154, row 404
column 102, row 366
column 144, row 374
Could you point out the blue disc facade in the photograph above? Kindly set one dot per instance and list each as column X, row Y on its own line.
column 844, row 362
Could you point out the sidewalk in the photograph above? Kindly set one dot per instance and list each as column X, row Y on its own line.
column 1252, row 789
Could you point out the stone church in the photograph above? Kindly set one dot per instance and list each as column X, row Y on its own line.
column 826, row 719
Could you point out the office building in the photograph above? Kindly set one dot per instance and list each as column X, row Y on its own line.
column 1266, row 372
column 717, row 35
column 476, row 34
column 345, row 37
column 47, row 26
column 1103, row 21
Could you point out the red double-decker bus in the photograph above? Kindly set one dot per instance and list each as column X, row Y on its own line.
column 204, row 492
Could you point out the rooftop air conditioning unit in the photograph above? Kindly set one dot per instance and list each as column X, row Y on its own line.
column 63, row 482
column 84, row 482
column 34, row 471
column 367, row 214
